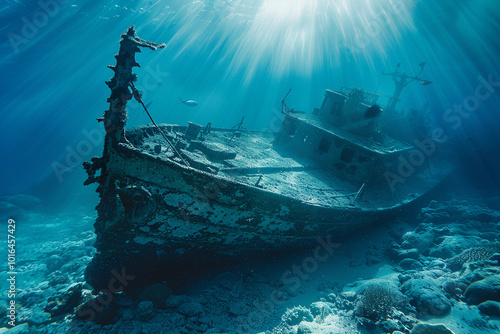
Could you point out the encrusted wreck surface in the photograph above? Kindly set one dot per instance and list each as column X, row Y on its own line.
column 109, row 208
column 224, row 194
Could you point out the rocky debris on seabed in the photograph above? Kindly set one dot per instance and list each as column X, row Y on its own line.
column 437, row 274
column 53, row 253
column 443, row 266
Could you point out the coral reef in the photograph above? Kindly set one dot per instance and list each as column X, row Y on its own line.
column 378, row 301
column 478, row 253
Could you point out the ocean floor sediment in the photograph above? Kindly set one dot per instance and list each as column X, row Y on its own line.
column 439, row 267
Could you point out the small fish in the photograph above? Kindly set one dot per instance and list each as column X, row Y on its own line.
column 373, row 111
column 149, row 104
column 189, row 103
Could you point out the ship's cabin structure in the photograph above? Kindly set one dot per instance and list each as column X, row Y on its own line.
column 343, row 136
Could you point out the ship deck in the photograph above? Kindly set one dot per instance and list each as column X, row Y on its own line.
column 256, row 158
column 259, row 164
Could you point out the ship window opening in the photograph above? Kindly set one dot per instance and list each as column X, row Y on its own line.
column 324, row 145
column 347, row 154
column 336, row 106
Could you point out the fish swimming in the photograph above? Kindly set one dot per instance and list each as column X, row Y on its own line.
column 190, row 103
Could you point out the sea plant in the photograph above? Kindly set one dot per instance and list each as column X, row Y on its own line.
column 377, row 301
column 478, row 253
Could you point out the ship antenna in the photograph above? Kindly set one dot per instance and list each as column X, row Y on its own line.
column 401, row 80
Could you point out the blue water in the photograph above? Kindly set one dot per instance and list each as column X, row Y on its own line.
column 236, row 58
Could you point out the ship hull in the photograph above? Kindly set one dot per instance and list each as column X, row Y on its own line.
column 167, row 221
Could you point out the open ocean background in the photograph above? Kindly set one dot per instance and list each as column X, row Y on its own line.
column 236, row 59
